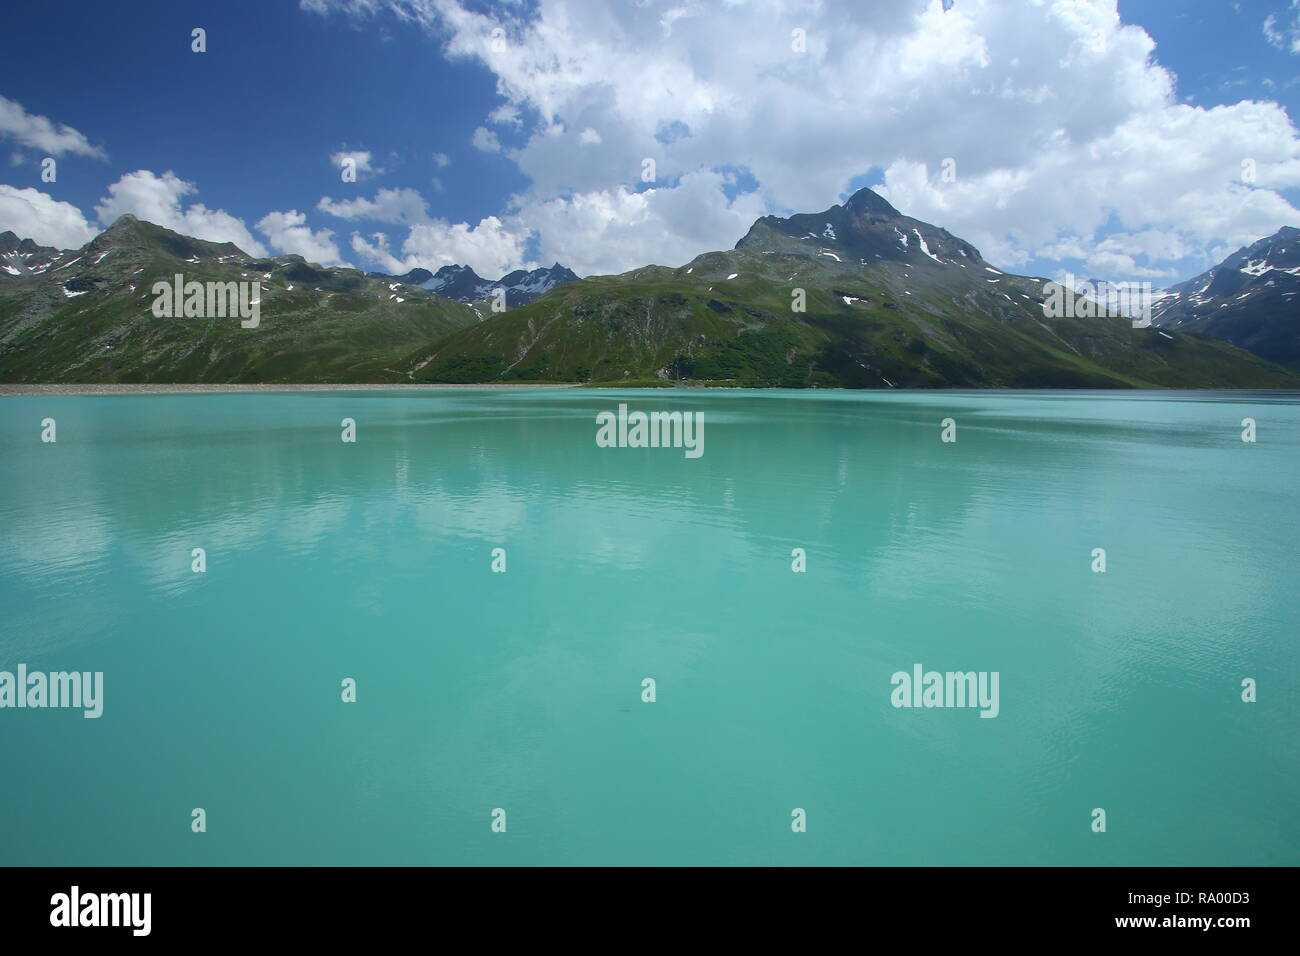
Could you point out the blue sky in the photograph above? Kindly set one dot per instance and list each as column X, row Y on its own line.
column 739, row 126
column 254, row 120
column 1218, row 49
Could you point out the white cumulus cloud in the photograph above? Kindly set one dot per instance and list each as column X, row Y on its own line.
column 362, row 162
column 288, row 233
column 157, row 199
column 605, row 231
column 490, row 248
column 32, row 214
column 398, row 206
column 1061, row 122
column 39, row 132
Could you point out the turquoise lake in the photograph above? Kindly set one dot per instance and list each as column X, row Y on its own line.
column 522, row 690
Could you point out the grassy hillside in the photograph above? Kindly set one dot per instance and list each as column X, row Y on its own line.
column 89, row 319
column 865, row 326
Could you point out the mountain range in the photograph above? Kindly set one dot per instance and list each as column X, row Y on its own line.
column 888, row 301
column 464, row 285
column 855, row 296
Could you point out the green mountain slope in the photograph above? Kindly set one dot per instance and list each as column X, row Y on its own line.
column 86, row 317
column 888, row 302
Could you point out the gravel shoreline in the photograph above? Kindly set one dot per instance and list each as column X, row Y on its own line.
column 116, row 389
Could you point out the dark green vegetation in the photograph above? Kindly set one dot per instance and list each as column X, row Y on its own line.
column 887, row 301
column 88, row 317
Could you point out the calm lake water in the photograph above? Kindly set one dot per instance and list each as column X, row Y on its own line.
column 523, row 690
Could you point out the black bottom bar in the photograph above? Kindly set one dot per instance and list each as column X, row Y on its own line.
column 366, row 905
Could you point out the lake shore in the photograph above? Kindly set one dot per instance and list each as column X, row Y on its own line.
column 7, row 391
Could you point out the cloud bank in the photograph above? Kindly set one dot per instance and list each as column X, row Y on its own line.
column 1061, row 126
